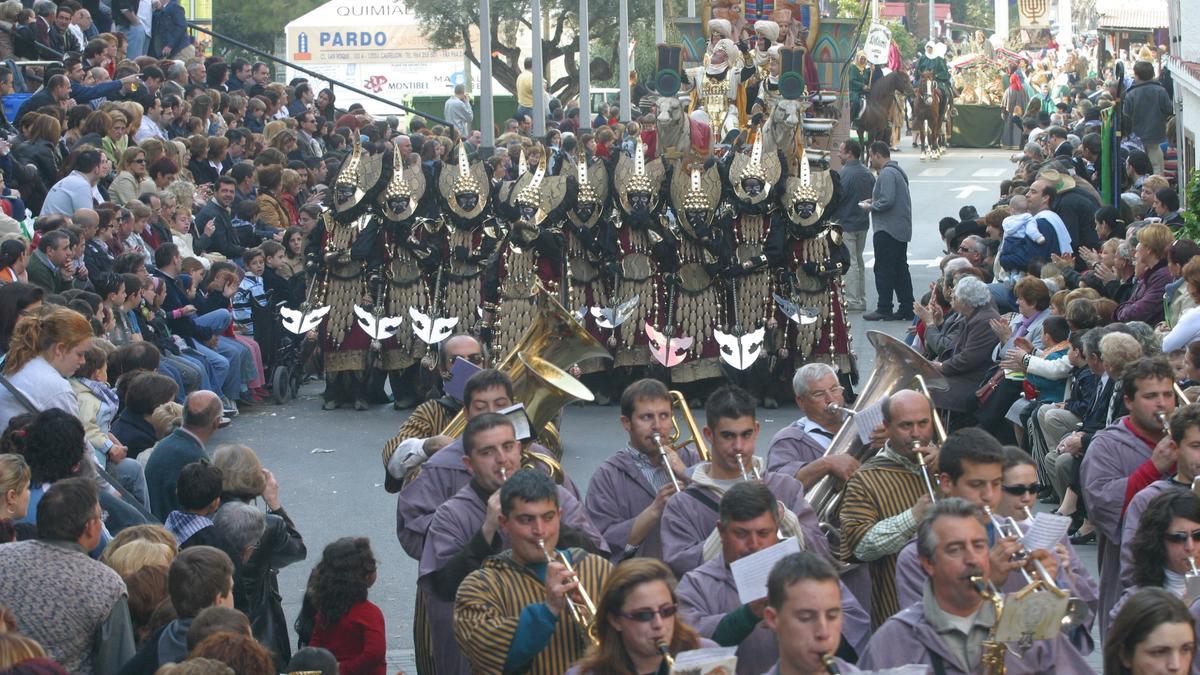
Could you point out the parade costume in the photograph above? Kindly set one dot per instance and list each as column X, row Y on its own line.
column 934, row 60
column 591, row 250
column 469, row 238
column 719, row 88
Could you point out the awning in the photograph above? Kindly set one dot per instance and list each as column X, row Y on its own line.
column 1145, row 15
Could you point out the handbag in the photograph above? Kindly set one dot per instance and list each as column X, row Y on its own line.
column 990, row 383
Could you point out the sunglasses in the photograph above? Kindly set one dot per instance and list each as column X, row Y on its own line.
column 1181, row 537
column 647, row 615
column 1018, row 490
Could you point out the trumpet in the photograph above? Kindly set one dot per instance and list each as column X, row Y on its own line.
column 584, row 613
column 1162, row 419
column 1012, row 529
column 665, row 650
column 666, row 460
column 504, row 474
column 747, row 474
column 830, row 665
column 924, row 470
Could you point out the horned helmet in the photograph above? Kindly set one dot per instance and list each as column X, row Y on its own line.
column 803, row 204
column 697, row 206
column 347, row 192
column 639, row 190
column 752, row 184
column 587, row 200
column 396, row 201
column 529, row 199
column 468, row 194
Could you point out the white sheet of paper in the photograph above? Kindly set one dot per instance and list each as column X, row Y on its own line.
column 1047, row 531
column 750, row 573
column 706, row 660
column 867, row 419
column 520, row 420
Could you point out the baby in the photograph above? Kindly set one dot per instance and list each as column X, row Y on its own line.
column 1022, row 224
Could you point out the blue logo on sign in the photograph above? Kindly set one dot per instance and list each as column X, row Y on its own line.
column 354, row 39
column 303, row 43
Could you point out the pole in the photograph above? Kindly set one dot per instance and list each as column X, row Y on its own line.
column 660, row 28
column 486, row 110
column 932, row 19
column 539, row 81
column 1001, row 10
column 623, row 56
column 585, row 68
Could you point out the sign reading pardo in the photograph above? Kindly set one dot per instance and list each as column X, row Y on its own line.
column 374, row 45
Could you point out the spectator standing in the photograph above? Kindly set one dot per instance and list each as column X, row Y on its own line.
column 170, row 33
column 75, row 607
column 857, row 185
column 346, row 622
column 1147, row 107
column 138, row 16
column 525, row 90
column 458, row 112
column 890, row 208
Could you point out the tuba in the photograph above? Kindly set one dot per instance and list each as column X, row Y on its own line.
column 536, row 365
column 897, row 364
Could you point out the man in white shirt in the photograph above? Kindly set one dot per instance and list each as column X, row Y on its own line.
column 153, row 121
column 138, row 33
column 75, row 190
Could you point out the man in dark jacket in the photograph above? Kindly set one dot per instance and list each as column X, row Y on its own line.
column 185, row 445
column 215, row 221
column 1146, row 109
column 56, row 91
column 170, row 36
column 1076, row 208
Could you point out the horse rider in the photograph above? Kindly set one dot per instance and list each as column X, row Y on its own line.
column 862, row 76
column 934, row 59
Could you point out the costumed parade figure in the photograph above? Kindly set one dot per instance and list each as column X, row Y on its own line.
column 591, row 254
column 862, row 75
column 345, row 280
column 934, row 60
column 719, row 87
column 470, row 238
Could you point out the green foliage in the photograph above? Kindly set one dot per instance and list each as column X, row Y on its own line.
column 1191, row 215
column 905, row 41
column 258, row 23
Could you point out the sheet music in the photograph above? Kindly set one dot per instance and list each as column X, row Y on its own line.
column 750, row 573
column 867, row 420
column 520, row 420
column 1046, row 531
column 706, row 661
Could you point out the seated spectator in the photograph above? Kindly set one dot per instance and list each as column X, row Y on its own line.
column 132, row 179
column 216, row 619
column 1177, row 299
column 147, row 591
column 14, row 261
column 17, row 649
column 314, row 660
column 1166, row 207
column 75, row 607
column 201, row 418
column 971, row 355
column 251, row 291
column 1146, row 303
column 139, row 553
column 198, row 577
column 145, row 392
column 14, row 490
column 199, row 491
column 241, row 653
column 75, row 191
column 1024, row 238
column 50, row 267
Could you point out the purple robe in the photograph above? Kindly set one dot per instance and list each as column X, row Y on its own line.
column 687, row 522
column 1112, row 457
column 617, row 495
column 1133, row 516
column 908, row 638
column 453, row 525
column 440, row 478
column 1075, row 578
column 792, row 449
column 707, row 594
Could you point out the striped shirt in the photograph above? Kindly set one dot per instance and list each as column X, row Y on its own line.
column 488, row 607
column 876, row 511
column 656, row 476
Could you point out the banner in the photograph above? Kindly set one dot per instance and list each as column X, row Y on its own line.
column 1035, row 14
column 879, row 38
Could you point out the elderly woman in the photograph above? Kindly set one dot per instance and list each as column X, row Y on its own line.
column 1024, row 329
column 256, row 590
column 971, row 355
column 1150, row 256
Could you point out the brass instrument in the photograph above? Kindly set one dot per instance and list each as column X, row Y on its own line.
column 830, row 666
column 536, row 365
column 1077, row 610
column 1182, row 396
column 896, row 363
column 665, row 650
column 673, row 441
column 746, row 475
column 916, row 445
column 504, row 474
column 846, row 412
column 666, row 460
column 584, row 614
column 939, row 429
column 1162, row 419
column 993, row 650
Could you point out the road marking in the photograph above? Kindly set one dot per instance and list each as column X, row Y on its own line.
column 966, row 190
column 936, row 172
column 989, row 173
column 931, row 263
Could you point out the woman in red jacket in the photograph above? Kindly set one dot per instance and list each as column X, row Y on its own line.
column 346, row 623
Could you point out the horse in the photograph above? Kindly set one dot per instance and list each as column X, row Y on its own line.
column 875, row 118
column 927, row 117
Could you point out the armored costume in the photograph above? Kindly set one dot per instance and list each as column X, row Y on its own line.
column 469, row 238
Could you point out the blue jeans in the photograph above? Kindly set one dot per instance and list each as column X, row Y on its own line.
column 1003, row 295
column 129, row 473
column 139, row 42
column 240, row 362
column 223, row 374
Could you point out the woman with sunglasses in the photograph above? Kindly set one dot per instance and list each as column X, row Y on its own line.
column 635, row 614
column 1168, row 545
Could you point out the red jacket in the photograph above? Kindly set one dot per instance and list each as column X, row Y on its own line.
column 357, row 640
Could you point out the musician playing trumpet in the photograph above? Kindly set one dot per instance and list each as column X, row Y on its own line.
column 638, row 624
column 627, row 493
column 512, row 614
column 885, row 499
column 948, row 627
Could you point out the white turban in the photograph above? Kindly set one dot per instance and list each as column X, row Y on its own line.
column 767, row 29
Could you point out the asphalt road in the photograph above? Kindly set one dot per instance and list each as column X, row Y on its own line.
column 328, row 463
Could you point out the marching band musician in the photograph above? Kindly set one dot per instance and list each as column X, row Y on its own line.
column 731, row 429
column 885, row 500
column 1154, row 634
column 1167, row 541
column 1114, row 455
column 465, row 529
column 627, row 493
column 421, row 434
column 445, row 473
column 514, row 613
column 948, row 627
column 799, row 448
column 1185, row 438
column 749, row 522
column 804, row 610
column 636, row 620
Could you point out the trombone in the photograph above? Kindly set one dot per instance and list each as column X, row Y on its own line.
column 674, row 441
column 666, row 460
column 584, row 613
column 916, row 446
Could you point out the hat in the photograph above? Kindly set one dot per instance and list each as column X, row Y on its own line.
column 767, row 29
column 1061, row 181
column 720, row 27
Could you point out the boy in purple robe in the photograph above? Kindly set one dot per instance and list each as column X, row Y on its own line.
column 465, row 529
column 627, row 494
column 798, row 449
column 947, row 628
column 708, row 597
column 1185, row 437
column 1114, row 454
column 689, row 518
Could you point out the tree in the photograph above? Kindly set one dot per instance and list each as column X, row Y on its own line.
column 450, row 22
column 258, row 23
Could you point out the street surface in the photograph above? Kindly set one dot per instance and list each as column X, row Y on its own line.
column 328, row 463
